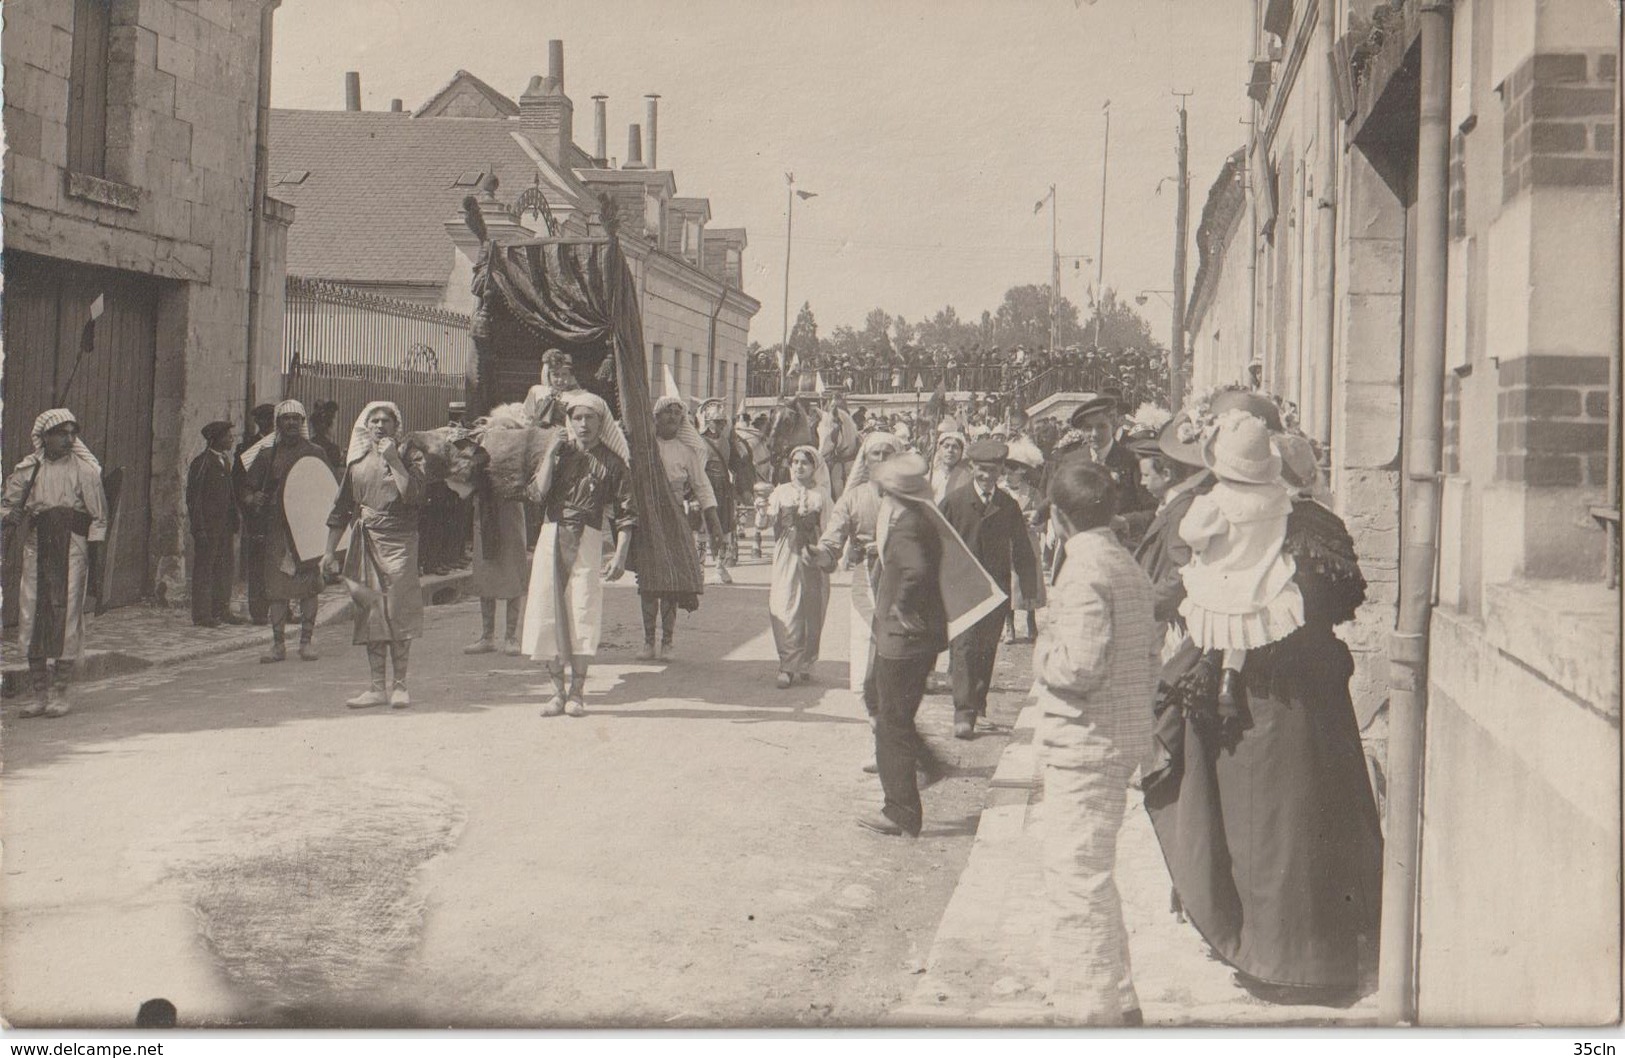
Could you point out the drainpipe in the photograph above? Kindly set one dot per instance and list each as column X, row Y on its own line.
column 711, row 340
column 256, row 210
column 1254, row 116
column 1408, row 646
column 1326, row 240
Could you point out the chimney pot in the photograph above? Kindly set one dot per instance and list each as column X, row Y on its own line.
column 396, row 106
column 600, row 140
column 634, row 147
column 352, row 90
column 650, row 123
column 555, row 63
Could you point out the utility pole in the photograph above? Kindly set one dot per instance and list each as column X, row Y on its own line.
column 789, row 222
column 1100, row 255
column 1176, row 352
column 1054, row 272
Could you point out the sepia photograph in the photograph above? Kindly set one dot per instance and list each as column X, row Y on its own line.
column 834, row 515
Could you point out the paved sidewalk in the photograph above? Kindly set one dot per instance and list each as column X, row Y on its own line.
column 146, row 635
column 987, row 964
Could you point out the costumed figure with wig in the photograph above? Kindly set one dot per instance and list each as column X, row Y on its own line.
column 849, row 536
column 287, row 577
column 682, row 455
column 379, row 502
column 730, row 470
column 55, row 515
column 582, row 483
column 799, row 596
column 501, row 570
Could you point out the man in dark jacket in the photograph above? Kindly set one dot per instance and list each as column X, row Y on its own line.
column 1097, row 420
column 211, row 510
column 262, row 420
column 990, row 522
column 910, row 630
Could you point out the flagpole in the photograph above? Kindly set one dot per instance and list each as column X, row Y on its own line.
column 789, row 222
column 1100, row 257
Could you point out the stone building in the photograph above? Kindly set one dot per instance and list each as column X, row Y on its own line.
column 131, row 173
column 1365, row 239
column 380, row 196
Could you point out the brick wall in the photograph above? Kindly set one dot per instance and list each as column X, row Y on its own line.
column 1552, row 417
column 1559, row 122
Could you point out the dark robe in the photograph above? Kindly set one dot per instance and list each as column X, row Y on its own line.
column 1267, row 821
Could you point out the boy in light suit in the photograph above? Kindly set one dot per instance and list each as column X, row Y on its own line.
column 1095, row 671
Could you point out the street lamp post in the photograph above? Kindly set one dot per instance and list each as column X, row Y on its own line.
column 790, row 194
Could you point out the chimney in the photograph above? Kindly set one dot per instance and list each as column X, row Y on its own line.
column 352, row 90
column 545, row 113
column 600, row 129
column 555, row 64
column 634, row 147
column 396, row 106
column 650, row 124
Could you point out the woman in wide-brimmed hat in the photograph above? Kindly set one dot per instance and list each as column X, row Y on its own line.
column 1265, row 812
column 1239, row 591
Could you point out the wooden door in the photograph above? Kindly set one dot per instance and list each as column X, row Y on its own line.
column 109, row 389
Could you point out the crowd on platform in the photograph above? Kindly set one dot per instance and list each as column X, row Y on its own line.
column 1136, row 373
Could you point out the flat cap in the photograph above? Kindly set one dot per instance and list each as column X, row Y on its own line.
column 1093, row 405
column 988, row 451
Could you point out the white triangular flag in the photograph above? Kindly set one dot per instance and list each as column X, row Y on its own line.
column 818, row 382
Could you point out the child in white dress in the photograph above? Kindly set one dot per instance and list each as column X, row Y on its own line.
column 1239, row 587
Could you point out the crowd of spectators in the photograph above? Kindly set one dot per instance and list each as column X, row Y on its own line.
column 1139, row 374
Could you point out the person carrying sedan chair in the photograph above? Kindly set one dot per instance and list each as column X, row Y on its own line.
column 55, row 514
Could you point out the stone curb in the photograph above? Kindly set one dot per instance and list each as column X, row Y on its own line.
column 1010, row 793
column 104, row 664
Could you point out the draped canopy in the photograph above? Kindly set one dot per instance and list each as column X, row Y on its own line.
column 578, row 295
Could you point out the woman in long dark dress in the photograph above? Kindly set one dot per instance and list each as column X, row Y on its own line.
column 1266, row 816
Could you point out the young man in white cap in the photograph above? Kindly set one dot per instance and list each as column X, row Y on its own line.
column 54, row 503
column 1097, row 420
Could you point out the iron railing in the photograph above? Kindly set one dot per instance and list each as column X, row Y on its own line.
column 341, row 331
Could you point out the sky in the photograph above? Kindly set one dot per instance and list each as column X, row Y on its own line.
column 928, row 129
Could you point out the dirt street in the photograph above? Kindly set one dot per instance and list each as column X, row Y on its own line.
column 228, row 835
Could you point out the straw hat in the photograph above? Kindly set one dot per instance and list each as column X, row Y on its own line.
column 1239, row 449
column 904, row 475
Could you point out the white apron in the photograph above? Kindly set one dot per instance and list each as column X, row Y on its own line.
column 564, row 620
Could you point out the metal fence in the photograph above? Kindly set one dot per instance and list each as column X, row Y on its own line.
column 352, row 346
